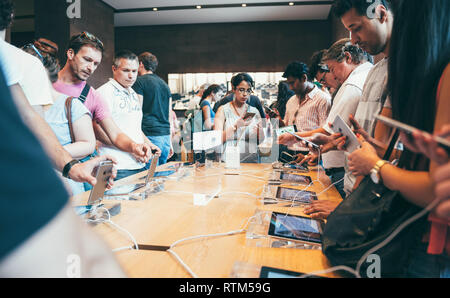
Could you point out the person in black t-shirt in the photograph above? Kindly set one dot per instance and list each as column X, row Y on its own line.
column 253, row 101
column 157, row 105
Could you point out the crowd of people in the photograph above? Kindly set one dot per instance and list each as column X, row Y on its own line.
column 129, row 120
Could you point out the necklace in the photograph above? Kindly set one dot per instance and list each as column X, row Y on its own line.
column 235, row 109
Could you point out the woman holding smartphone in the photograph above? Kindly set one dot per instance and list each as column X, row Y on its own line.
column 420, row 99
column 238, row 121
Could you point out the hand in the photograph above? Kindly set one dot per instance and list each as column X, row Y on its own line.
column 362, row 161
column 141, row 152
column 357, row 129
column 441, row 179
column 287, row 139
column 328, row 143
column 311, row 159
column 275, row 114
column 424, row 143
column 242, row 123
column 154, row 149
column 85, row 172
column 320, row 209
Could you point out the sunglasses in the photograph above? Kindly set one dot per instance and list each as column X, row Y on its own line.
column 91, row 37
column 31, row 46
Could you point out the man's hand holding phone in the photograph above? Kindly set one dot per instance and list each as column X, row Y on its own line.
column 86, row 171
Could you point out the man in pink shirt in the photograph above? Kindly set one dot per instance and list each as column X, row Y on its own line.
column 84, row 54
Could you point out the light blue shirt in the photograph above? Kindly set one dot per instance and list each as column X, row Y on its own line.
column 56, row 118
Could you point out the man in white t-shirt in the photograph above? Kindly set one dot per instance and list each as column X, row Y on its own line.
column 32, row 78
column 126, row 110
column 348, row 63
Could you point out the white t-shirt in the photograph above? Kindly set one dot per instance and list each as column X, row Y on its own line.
column 27, row 70
column 345, row 103
column 126, row 112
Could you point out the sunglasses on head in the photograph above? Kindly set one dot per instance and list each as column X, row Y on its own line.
column 31, row 46
column 91, row 37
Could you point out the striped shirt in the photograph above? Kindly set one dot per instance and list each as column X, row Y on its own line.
column 309, row 114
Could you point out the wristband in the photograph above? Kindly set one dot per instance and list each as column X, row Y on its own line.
column 68, row 167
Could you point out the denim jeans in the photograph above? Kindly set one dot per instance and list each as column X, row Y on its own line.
column 163, row 143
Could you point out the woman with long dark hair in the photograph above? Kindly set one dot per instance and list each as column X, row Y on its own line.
column 210, row 96
column 419, row 70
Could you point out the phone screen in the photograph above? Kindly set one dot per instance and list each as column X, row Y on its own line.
column 285, row 129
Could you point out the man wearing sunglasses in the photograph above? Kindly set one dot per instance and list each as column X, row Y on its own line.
column 84, row 54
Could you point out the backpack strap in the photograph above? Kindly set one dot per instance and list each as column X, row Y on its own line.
column 69, row 117
column 390, row 149
column 84, row 93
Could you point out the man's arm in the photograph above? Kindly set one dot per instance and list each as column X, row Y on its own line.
column 81, row 172
column 120, row 140
column 59, row 156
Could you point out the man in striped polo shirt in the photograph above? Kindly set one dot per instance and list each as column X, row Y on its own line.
column 308, row 109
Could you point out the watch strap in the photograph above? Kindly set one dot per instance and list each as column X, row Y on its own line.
column 68, row 166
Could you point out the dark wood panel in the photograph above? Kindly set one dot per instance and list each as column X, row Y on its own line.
column 52, row 22
column 252, row 47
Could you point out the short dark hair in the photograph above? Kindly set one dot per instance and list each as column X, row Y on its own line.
column 296, row 69
column 124, row 54
column 85, row 39
column 6, row 13
column 338, row 49
column 240, row 77
column 149, row 61
column 341, row 7
column 316, row 65
column 47, row 46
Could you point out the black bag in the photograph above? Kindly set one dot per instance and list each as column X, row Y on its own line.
column 367, row 217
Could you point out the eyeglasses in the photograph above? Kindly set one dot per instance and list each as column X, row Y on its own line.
column 323, row 68
column 91, row 37
column 245, row 91
column 31, row 46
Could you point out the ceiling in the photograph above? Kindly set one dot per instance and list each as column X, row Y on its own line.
column 140, row 12
column 171, row 12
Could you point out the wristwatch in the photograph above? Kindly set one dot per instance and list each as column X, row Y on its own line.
column 68, row 166
column 375, row 172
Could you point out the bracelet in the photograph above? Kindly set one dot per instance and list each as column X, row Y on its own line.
column 68, row 167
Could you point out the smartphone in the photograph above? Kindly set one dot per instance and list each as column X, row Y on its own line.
column 315, row 146
column 249, row 115
column 269, row 272
column 283, row 130
column 339, row 126
column 302, row 167
column 409, row 130
column 104, row 173
column 269, row 109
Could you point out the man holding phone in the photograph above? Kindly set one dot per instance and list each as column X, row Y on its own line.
column 308, row 109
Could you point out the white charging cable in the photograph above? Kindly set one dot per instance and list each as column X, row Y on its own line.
column 400, row 228
column 109, row 221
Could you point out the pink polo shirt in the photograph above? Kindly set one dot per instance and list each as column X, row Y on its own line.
column 94, row 101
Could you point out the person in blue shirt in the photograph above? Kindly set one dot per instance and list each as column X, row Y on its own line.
column 211, row 95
